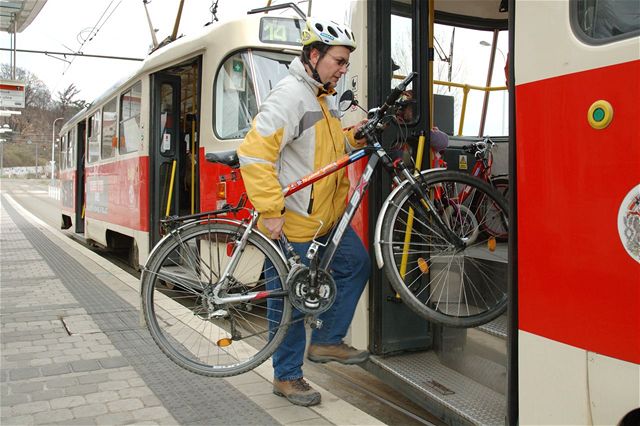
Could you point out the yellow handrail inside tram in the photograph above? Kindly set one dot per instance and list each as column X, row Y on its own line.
column 173, row 176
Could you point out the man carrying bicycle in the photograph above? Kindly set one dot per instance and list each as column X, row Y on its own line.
column 297, row 131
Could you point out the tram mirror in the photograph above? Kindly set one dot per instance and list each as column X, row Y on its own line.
column 346, row 100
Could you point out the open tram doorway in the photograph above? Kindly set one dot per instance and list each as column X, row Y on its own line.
column 462, row 375
column 80, row 178
column 175, row 112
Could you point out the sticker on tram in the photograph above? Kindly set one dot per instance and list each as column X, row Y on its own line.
column 629, row 223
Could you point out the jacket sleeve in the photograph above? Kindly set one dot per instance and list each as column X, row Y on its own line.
column 271, row 130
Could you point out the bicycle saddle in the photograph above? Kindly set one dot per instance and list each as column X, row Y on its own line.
column 228, row 158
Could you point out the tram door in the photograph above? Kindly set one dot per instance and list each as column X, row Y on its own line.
column 395, row 328
column 164, row 150
column 80, row 178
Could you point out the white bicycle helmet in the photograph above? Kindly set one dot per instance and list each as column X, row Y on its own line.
column 328, row 32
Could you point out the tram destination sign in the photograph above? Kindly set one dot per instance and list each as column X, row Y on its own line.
column 280, row 30
column 11, row 94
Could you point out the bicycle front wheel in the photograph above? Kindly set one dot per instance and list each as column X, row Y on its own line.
column 444, row 283
column 189, row 327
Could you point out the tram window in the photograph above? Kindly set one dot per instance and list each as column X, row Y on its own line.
column 63, row 152
column 130, row 135
column 237, row 94
column 402, row 62
column 71, row 145
column 462, row 58
column 603, row 21
column 93, row 138
column 109, row 121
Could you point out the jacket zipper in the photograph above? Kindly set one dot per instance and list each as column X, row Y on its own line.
column 310, row 208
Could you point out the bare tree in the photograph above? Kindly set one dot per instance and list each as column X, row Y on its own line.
column 67, row 103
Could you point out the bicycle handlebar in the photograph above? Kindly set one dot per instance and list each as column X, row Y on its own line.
column 379, row 113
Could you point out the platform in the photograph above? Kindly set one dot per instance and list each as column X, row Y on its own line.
column 74, row 350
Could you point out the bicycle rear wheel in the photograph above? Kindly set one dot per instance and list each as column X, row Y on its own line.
column 494, row 225
column 457, row 287
column 206, row 338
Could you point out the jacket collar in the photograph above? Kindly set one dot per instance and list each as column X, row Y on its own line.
column 297, row 69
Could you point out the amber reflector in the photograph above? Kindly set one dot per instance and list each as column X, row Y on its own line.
column 224, row 342
column 422, row 264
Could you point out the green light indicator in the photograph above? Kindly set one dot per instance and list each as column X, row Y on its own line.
column 598, row 114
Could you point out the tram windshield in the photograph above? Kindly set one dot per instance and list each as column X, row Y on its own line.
column 243, row 81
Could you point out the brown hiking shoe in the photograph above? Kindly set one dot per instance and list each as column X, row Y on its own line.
column 297, row 391
column 341, row 353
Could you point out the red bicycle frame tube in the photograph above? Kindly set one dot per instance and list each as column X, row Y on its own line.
column 330, row 168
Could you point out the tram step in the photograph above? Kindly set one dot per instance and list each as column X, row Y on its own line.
column 450, row 395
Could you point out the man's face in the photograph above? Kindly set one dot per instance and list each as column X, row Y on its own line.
column 333, row 65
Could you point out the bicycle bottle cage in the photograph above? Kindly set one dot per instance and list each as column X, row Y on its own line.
column 315, row 244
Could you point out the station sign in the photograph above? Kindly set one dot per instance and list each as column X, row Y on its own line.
column 11, row 94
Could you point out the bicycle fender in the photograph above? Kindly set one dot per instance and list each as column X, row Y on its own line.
column 383, row 211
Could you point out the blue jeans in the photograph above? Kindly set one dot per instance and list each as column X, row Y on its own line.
column 350, row 270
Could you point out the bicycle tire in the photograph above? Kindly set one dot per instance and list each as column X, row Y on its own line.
column 496, row 228
column 445, row 285
column 216, row 341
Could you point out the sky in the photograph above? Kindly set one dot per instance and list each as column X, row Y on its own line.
column 66, row 26
column 120, row 28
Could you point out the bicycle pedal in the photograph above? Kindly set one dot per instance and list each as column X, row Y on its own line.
column 314, row 323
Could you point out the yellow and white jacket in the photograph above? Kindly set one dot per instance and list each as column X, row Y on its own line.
column 297, row 131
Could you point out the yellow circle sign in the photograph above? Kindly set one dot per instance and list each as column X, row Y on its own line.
column 600, row 114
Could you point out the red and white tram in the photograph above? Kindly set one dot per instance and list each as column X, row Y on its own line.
column 568, row 349
column 136, row 154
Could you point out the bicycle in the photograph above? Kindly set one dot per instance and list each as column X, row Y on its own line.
column 483, row 151
column 206, row 295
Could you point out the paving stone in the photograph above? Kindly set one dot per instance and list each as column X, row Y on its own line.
column 128, row 404
column 115, row 418
column 9, row 400
column 93, row 378
column 30, row 408
column 55, row 369
column 53, row 416
column 24, row 373
column 47, row 395
column 151, row 413
column 26, row 387
column 85, row 365
column 67, row 402
column 116, row 362
column 102, row 397
column 113, row 385
column 61, row 382
column 91, row 410
column 81, row 389
column 22, row 420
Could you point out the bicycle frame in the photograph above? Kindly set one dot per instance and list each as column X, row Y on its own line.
column 376, row 152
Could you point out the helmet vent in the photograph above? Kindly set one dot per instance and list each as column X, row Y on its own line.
column 332, row 31
column 319, row 27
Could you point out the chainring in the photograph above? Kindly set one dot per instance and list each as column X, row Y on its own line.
column 303, row 297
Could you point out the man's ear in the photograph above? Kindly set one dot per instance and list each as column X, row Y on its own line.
column 314, row 55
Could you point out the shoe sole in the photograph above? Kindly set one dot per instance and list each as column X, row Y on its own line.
column 314, row 401
column 325, row 359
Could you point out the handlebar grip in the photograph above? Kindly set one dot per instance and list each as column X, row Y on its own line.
column 397, row 91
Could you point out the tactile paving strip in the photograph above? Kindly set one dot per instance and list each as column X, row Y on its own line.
column 190, row 398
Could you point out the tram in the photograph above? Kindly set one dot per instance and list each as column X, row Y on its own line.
column 136, row 154
column 568, row 349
